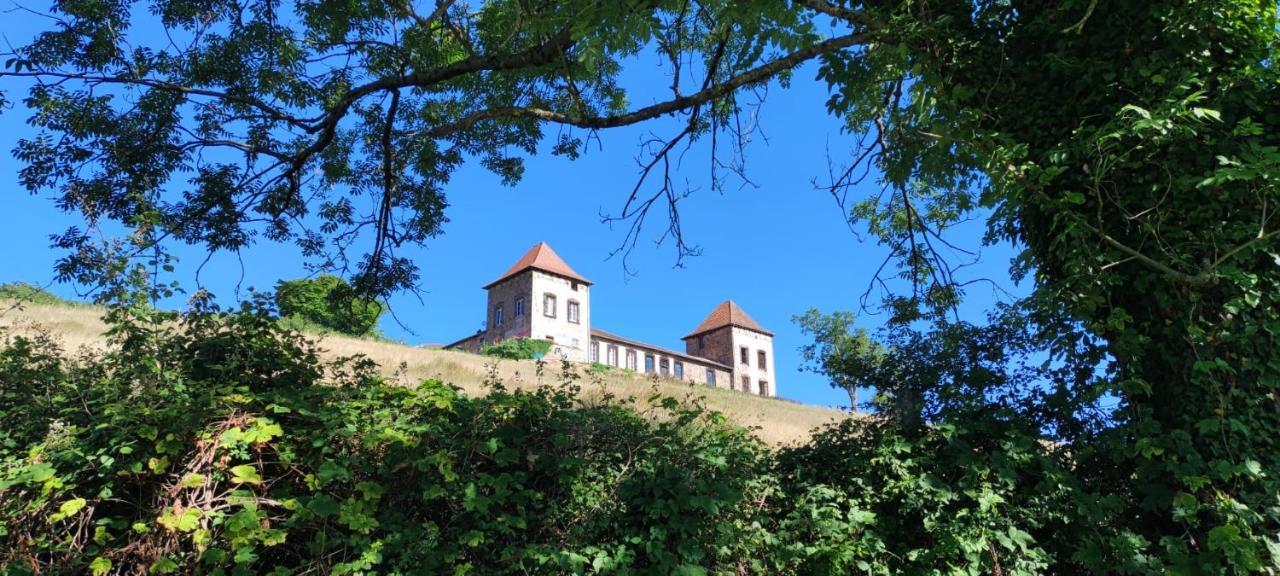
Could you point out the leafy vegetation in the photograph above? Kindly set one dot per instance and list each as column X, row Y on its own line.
column 327, row 302
column 25, row 292
column 1121, row 419
column 518, row 348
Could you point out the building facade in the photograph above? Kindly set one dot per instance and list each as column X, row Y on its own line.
column 541, row 297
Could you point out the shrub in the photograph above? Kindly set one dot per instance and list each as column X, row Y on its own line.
column 208, row 443
column 599, row 368
column 517, row 349
column 26, row 292
column 329, row 302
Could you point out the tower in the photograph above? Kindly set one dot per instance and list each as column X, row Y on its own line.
column 732, row 338
column 540, row 296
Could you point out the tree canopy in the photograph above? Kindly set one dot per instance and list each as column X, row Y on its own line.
column 1128, row 148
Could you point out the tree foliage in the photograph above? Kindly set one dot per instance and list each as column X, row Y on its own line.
column 518, row 348
column 329, row 302
column 1127, row 148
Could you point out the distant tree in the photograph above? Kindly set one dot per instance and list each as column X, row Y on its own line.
column 26, row 292
column 845, row 354
column 329, row 302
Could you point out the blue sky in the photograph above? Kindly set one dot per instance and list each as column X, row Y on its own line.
column 777, row 247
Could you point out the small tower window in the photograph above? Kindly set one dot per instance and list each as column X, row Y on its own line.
column 744, row 355
column 746, row 383
column 760, row 360
column 572, row 311
column 573, row 285
column 701, row 343
column 520, row 306
column 497, row 316
column 764, row 387
column 549, row 305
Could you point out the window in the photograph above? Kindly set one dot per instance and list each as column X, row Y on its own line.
column 764, row 387
column 572, row 312
column 664, row 366
column 573, row 285
column 744, row 355
column 760, row 360
column 648, row 363
column 611, row 355
column 746, row 383
column 679, row 370
column 631, row 359
column 595, row 351
column 497, row 316
column 519, row 306
column 711, row 377
column 575, row 343
column 549, row 305
column 701, row 343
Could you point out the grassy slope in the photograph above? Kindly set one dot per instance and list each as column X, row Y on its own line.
column 777, row 421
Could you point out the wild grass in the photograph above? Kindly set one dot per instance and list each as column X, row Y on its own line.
column 775, row 421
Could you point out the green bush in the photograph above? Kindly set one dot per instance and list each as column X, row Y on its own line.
column 221, row 443
column 517, row 349
column 328, row 302
column 26, row 292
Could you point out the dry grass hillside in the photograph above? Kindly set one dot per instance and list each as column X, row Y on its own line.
column 775, row 421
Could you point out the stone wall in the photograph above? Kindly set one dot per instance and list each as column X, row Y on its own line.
column 504, row 294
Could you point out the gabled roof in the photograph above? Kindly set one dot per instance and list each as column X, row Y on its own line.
column 727, row 313
column 541, row 257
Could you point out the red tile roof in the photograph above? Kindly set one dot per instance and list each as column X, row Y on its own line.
column 541, row 257
column 727, row 313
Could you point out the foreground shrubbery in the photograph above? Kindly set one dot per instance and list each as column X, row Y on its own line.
column 222, row 443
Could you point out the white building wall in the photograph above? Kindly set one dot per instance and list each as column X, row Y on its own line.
column 569, row 339
column 754, row 342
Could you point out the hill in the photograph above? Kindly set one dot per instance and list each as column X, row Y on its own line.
column 774, row 420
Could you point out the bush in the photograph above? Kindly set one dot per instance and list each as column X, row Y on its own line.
column 517, row 349
column 329, row 302
column 26, row 292
column 221, row 443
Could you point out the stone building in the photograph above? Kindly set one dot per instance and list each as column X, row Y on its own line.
column 540, row 296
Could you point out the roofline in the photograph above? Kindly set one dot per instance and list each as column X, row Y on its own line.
column 636, row 343
column 729, row 325
column 461, row 340
column 542, row 270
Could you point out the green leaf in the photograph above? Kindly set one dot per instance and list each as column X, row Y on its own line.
column 245, row 474
column 100, row 566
